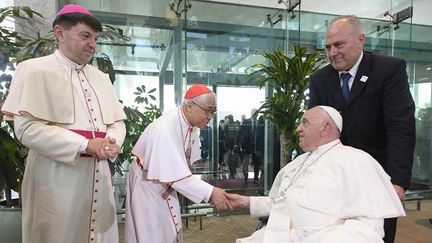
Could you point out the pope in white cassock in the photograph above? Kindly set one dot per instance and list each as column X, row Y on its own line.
column 330, row 194
column 67, row 114
column 164, row 153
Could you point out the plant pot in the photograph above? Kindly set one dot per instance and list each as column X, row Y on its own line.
column 10, row 224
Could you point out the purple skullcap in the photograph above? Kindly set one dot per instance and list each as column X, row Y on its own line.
column 73, row 9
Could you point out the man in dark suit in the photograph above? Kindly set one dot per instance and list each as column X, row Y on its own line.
column 374, row 100
column 247, row 142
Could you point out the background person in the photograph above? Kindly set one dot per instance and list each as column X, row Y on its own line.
column 258, row 155
column 247, row 143
column 67, row 114
column 378, row 110
column 233, row 161
column 205, row 136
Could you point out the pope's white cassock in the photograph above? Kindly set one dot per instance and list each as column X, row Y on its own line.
column 163, row 152
column 334, row 194
column 67, row 195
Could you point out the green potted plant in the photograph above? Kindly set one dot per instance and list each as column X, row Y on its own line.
column 12, row 156
column 288, row 77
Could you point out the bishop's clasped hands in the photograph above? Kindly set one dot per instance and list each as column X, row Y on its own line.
column 103, row 148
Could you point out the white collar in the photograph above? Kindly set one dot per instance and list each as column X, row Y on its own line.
column 325, row 147
column 183, row 121
column 67, row 62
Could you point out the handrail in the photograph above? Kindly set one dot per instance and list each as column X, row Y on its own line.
column 411, row 192
column 199, row 206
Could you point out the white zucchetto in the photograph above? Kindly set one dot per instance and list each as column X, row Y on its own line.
column 334, row 114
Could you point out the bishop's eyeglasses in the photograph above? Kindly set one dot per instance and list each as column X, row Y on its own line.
column 209, row 111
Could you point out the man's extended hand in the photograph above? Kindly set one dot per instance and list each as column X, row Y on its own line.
column 219, row 199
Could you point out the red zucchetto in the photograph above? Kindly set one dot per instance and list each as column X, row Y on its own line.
column 196, row 90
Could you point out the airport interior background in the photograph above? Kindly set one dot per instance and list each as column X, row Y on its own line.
column 174, row 44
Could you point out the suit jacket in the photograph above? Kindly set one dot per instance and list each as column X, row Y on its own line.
column 379, row 114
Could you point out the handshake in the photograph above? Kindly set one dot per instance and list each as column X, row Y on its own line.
column 223, row 201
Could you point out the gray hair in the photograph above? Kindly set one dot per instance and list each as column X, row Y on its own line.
column 352, row 20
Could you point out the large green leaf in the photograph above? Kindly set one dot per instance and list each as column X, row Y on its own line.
column 288, row 77
column 136, row 122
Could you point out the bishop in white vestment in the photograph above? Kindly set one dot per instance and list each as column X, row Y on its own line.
column 67, row 114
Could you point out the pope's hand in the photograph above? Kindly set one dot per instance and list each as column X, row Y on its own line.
column 238, row 201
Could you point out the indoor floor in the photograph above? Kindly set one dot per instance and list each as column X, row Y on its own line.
column 415, row 228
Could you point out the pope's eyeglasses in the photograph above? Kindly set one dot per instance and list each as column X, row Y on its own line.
column 209, row 111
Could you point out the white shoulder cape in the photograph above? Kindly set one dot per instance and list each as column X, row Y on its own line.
column 42, row 87
column 160, row 149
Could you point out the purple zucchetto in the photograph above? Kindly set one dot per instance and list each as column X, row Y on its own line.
column 73, row 9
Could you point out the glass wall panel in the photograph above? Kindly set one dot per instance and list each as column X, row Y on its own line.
column 421, row 78
column 223, row 42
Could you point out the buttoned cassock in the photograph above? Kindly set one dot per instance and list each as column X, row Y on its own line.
column 162, row 163
column 334, row 194
column 67, row 195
